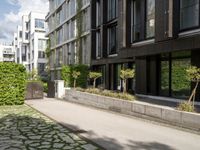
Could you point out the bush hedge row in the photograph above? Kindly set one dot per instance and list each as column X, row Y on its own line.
column 12, row 83
column 66, row 75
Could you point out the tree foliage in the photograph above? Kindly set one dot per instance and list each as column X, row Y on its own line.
column 126, row 74
column 66, row 75
column 94, row 76
column 33, row 75
column 193, row 75
column 75, row 75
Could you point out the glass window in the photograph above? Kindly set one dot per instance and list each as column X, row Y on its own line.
column 112, row 40
column 41, row 54
column 72, row 7
column 27, row 25
column 20, row 34
column 112, row 9
column 26, row 36
column 173, row 80
column 59, row 36
column 41, row 68
column 180, row 84
column 98, row 45
column 41, row 44
column 164, row 89
column 73, row 29
column 98, row 13
column 59, row 57
column 135, row 20
column 189, row 14
column 39, row 23
column 150, row 18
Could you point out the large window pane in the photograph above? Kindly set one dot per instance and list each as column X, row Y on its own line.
column 39, row 23
column 112, row 9
column 112, row 40
column 164, row 91
column 135, row 20
column 189, row 13
column 150, row 18
column 98, row 45
column 180, row 84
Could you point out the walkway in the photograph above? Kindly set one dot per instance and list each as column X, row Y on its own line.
column 114, row 131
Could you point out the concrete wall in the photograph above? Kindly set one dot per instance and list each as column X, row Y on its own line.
column 153, row 112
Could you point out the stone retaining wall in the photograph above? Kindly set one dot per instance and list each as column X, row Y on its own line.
column 135, row 108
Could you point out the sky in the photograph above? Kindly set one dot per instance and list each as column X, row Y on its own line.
column 11, row 12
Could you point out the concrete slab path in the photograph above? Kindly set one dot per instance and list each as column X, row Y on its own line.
column 114, row 131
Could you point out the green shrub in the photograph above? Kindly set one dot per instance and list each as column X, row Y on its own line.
column 45, row 86
column 186, row 106
column 124, row 96
column 66, row 75
column 82, row 79
column 12, row 83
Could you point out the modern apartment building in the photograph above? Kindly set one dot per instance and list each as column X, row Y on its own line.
column 30, row 42
column 69, row 34
column 160, row 39
column 7, row 53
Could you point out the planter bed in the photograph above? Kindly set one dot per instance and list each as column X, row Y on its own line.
column 140, row 109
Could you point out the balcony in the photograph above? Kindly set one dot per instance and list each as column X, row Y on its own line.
column 8, row 59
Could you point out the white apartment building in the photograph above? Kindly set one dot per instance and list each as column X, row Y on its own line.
column 30, row 42
column 69, row 33
column 7, row 53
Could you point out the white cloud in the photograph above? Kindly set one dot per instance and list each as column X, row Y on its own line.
column 9, row 24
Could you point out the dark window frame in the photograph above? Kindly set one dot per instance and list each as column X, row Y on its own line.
column 143, row 37
column 109, row 10
column 189, row 28
column 110, row 51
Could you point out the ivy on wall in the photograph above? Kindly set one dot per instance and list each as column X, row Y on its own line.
column 79, row 21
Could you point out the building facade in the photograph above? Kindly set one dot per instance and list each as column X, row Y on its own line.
column 160, row 39
column 30, row 42
column 69, row 34
column 7, row 53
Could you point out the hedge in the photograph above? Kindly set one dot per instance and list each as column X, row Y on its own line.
column 66, row 75
column 12, row 83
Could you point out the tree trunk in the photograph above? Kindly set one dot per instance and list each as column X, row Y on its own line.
column 74, row 83
column 94, row 83
column 124, row 86
column 195, row 89
column 192, row 96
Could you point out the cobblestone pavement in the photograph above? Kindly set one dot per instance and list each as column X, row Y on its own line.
column 22, row 128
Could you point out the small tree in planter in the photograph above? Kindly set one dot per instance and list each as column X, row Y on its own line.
column 193, row 75
column 94, row 76
column 75, row 75
column 33, row 75
column 126, row 74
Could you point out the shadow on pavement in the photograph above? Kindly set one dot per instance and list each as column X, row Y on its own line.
column 149, row 146
column 19, row 132
column 113, row 144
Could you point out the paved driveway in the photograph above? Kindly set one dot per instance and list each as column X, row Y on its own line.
column 114, row 131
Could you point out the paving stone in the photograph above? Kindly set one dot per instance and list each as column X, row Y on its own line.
column 89, row 147
column 58, row 145
column 23, row 128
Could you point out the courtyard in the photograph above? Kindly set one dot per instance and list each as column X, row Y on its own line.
column 22, row 128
